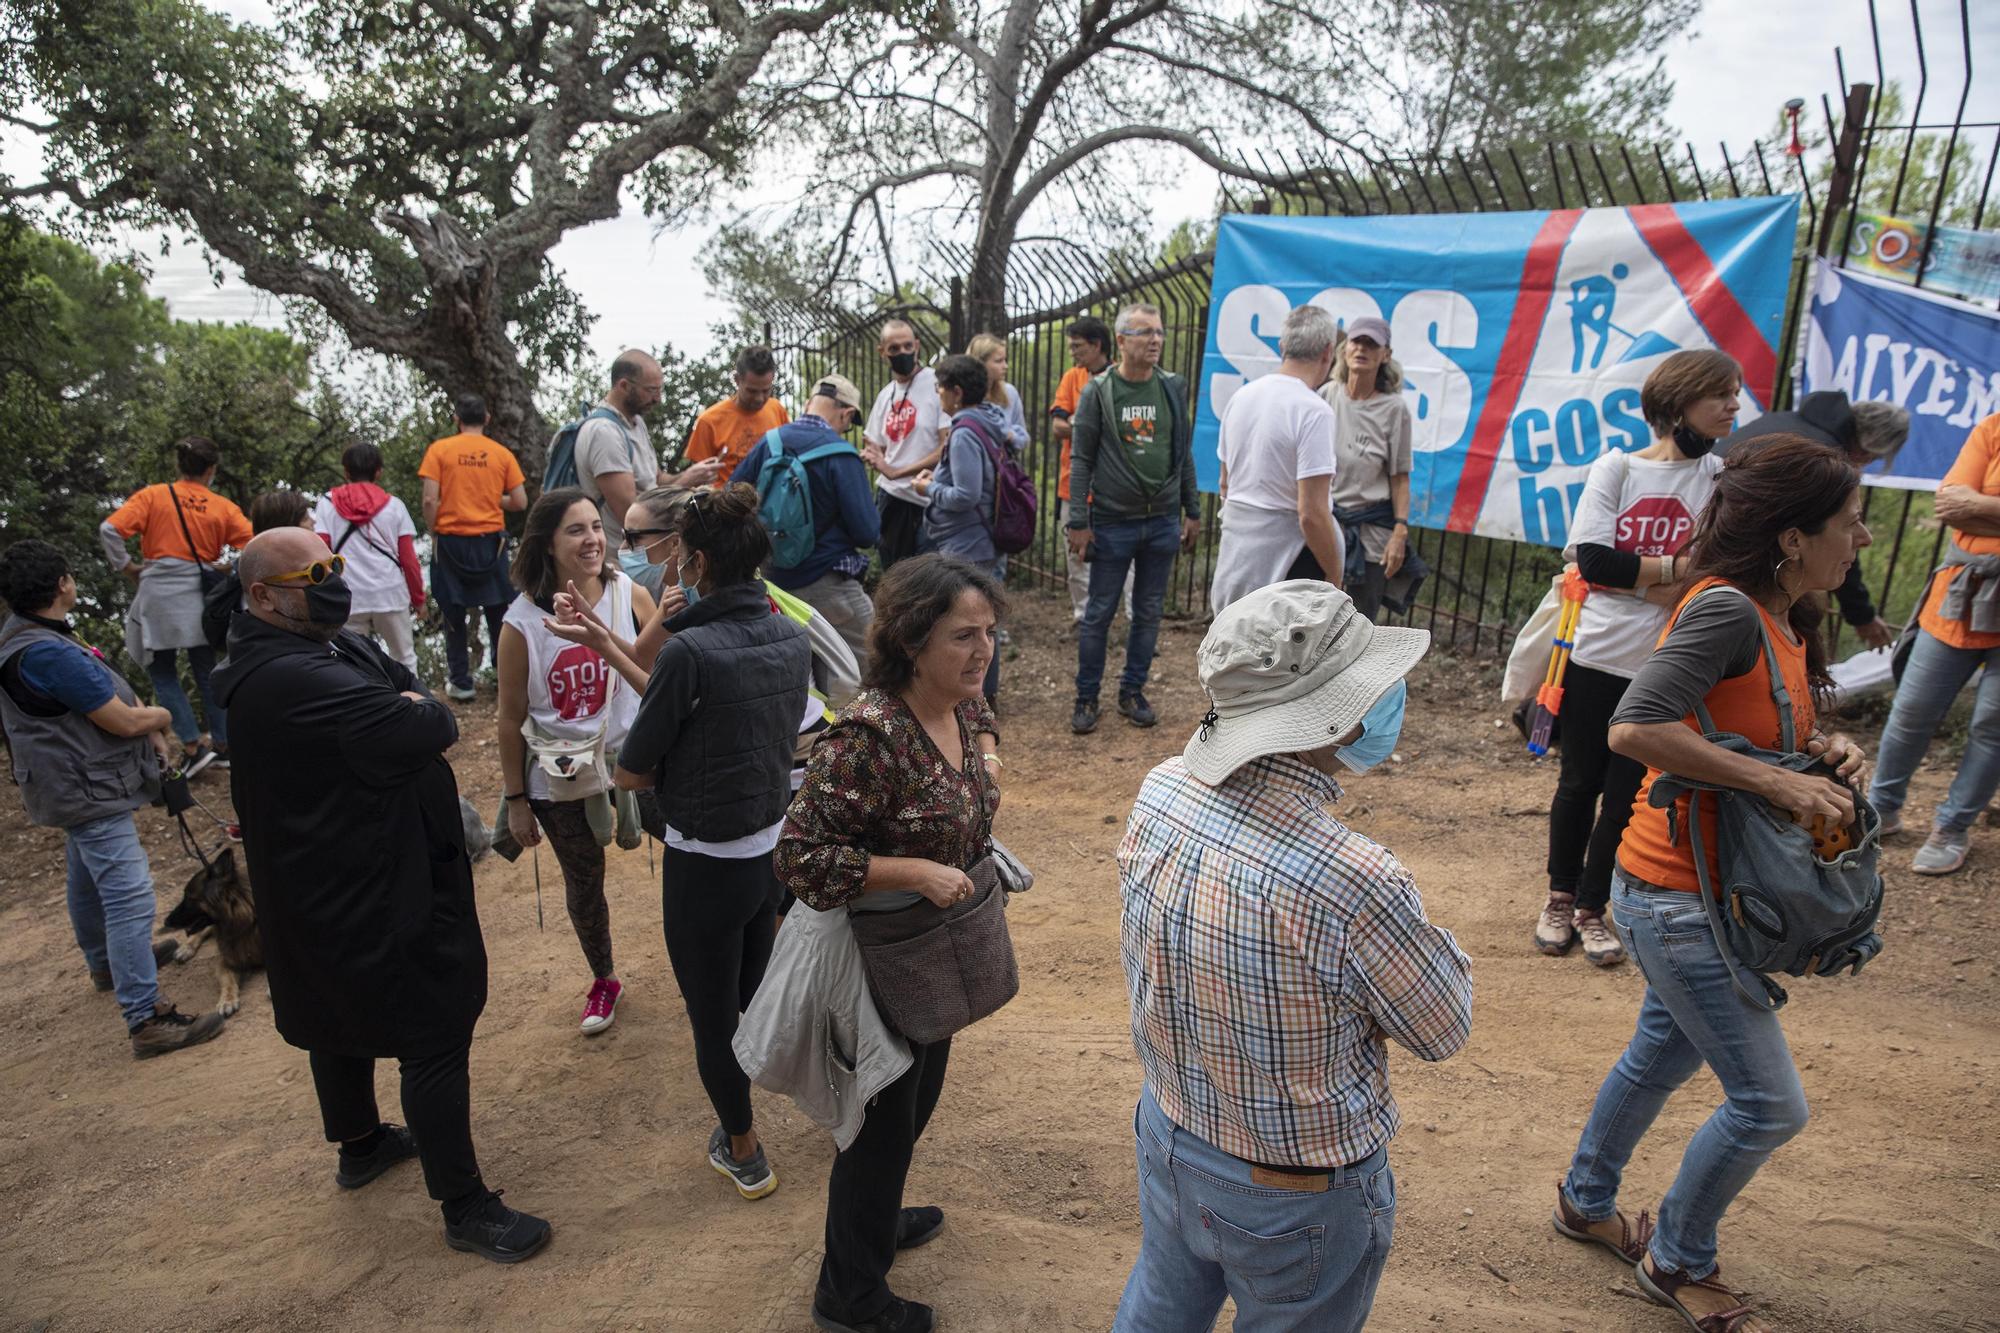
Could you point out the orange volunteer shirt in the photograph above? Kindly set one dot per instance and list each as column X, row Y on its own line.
column 472, row 473
column 1742, row 704
column 213, row 521
column 727, row 432
column 1069, row 392
column 1978, row 466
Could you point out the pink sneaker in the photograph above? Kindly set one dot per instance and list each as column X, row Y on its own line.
column 602, row 1006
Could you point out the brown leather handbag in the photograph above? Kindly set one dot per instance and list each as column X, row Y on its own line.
column 934, row 970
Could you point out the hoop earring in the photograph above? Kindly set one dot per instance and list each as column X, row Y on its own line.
column 1778, row 572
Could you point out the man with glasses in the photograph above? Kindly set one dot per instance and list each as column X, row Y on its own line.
column 728, row 431
column 615, row 459
column 358, row 868
column 1132, row 461
column 906, row 434
column 845, row 520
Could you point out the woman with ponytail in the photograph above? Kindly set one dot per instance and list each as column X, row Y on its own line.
column 1780, row 531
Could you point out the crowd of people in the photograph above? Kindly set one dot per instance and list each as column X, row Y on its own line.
column 696, row 656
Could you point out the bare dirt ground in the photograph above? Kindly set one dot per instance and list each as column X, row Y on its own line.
column 195, row 1191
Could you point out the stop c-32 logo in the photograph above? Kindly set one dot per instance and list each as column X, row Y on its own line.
column 578, row 681
column 1654, row 525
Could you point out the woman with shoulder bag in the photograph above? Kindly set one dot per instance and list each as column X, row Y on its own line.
column 959, row 518
column 896, row 810
column 1637, row 512
column 713, row 739
column 562, row 707
column 1781, row 529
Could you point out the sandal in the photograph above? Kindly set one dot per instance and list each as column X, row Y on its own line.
column 1631, row 1242
column 1665, row 1288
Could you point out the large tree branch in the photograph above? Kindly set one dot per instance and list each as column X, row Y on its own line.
column 1097, row 30
column 1054, row 169
column 1242, row 83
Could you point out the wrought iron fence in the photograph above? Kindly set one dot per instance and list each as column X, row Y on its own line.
column 1482, row 588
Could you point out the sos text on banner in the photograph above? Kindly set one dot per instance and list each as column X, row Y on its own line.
column 1524, row 337
column 1937, row 357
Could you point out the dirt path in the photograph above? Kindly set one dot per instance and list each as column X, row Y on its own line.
column 194, row 1192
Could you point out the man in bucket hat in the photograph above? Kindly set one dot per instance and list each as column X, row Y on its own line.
column 1270, row 952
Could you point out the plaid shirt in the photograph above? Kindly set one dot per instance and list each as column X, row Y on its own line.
column 1268, row 950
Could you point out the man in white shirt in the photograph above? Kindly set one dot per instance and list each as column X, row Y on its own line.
column 905, row 435
column 1276, row 448
column 615, row 458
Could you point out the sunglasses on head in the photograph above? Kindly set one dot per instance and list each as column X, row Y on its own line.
column 319, row 571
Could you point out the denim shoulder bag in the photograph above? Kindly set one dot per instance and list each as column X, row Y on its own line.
column 1789, row 902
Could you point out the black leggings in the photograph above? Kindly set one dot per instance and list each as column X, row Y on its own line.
column 437, row 1103
column 1583, row 839
column 719, row 921
column 864, row 1193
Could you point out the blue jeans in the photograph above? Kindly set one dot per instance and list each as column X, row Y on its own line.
column 111, row 910
column 1935, row 674
column 1145, row 546
column 163, row 669
column 1292, row 1259
column 1692, row 1015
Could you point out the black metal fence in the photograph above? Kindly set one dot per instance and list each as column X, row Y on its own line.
column 1482, row 588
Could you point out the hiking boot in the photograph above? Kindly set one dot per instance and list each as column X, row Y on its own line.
column 1600, row 947
column 898, row 1316
column 918, row 1226
column 1942, row 853
column 464, row 694
column 195, row 760
column 1084, row 720
column 393, row 1144
column 101, row 980
column 170, row 1030
column 602, row 1006
column 753, row 1178
column 497, row 1232
column 1555, row 928
column 1136, row 710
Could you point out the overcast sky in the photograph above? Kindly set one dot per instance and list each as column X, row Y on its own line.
column 1731, row 77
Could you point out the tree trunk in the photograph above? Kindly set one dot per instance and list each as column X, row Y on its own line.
column 986, row 285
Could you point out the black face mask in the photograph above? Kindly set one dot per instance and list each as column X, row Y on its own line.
column 327, row 607
column 1691, row 441
column 902, row 363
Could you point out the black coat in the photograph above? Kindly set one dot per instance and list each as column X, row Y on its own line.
column 355, row 848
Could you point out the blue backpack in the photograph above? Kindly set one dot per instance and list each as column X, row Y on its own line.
column 560, row 471
column 785, row 500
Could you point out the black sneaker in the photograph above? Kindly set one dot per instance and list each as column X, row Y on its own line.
column 898, row 1316
column 396, row 1144
column 170, row 1030
column 497, row 1232
column 196, row 760
column 221, row 760
column 918, row 1226
column 1136, row 710
column 101, row 980
column 1084, row 720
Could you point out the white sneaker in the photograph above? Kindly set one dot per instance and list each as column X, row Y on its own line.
column 1941, row 853
column 464, row 694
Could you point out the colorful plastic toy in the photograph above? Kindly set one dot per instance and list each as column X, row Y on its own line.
column 1549, row 699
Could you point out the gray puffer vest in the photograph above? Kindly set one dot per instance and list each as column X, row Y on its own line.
column 70, row 770
column 721, row 715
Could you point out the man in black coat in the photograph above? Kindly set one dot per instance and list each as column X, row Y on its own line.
column 1866, row 433
column 364, row 894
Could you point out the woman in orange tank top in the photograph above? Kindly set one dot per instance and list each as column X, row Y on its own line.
column 1781, row 529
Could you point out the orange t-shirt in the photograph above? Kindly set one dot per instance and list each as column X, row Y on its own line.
column 727, row 432
column 472, row 473
column 1978, row 466
column 1069, row 392
column 213, row 521
column 1742, row 704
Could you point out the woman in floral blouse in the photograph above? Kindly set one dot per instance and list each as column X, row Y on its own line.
column 897, row 803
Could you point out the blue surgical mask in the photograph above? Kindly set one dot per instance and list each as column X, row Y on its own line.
column 1380, row 729
column 693, row 593
column 634, row 563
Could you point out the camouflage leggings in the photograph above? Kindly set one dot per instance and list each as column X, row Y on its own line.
column 582, row 861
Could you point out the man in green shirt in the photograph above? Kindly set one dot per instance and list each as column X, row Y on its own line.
column 1132, row 457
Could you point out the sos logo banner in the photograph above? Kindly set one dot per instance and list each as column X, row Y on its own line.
column 1523, row 337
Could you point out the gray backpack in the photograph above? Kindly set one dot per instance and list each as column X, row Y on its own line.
column 1788, row 910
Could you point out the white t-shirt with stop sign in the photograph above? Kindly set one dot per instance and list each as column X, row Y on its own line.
column 573, row 693
column 1647, row 507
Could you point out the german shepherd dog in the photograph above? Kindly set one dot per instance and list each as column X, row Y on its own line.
column 216, row 904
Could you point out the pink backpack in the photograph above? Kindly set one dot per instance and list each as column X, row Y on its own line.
column 1013, row 520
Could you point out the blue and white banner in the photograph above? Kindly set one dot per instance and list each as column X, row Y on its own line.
column 1937, row 357
column 1524, row 337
